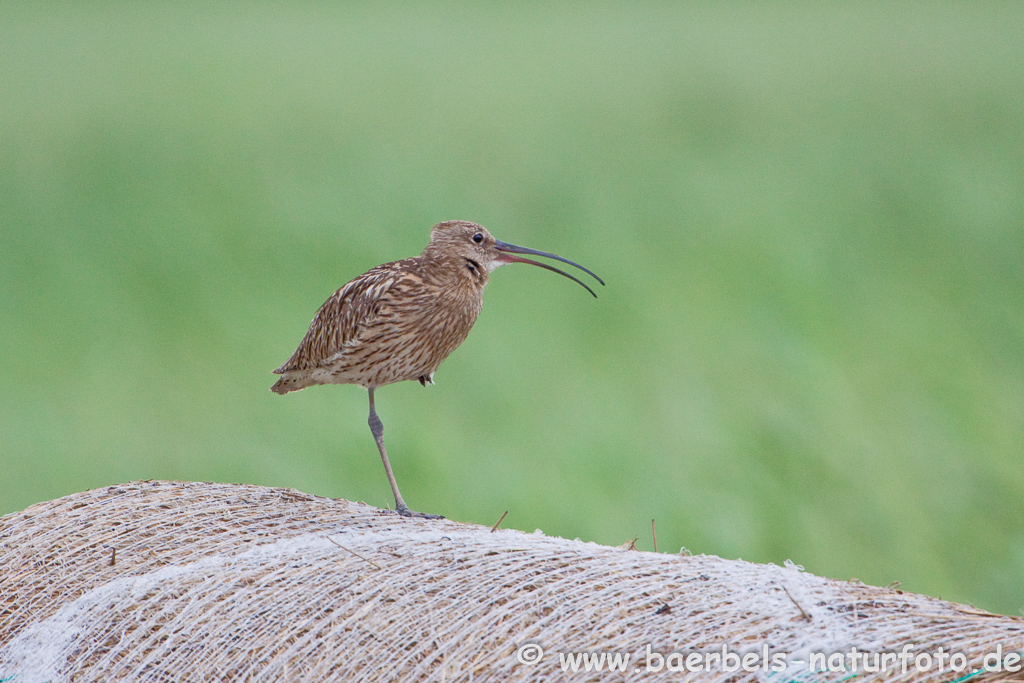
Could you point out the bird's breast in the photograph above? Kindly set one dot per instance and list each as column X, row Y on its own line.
column 449, row 318
column 415, row 331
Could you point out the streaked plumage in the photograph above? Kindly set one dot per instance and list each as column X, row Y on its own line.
column 400, row 320
column 395, row 322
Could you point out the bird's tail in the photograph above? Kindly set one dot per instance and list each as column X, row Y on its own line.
column 290, row 383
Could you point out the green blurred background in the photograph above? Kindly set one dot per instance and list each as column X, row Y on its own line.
column 810, row 218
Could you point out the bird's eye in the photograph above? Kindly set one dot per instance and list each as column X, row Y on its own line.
column 478, row 238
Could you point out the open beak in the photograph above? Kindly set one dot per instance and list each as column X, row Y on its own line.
column 507, row 250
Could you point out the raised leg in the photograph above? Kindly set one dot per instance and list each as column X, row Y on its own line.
column 377, row 429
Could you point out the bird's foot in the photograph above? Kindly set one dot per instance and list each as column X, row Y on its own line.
column 406, row 512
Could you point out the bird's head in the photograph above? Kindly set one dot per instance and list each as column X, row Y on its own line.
column 476, row 250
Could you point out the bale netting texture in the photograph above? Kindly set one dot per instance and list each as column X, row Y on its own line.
column 178, row 581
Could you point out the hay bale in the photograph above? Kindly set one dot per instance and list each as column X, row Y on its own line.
column 178, row 581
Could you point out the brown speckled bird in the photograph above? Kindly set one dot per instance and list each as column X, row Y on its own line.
column 400, row 320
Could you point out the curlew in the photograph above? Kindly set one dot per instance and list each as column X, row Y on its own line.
column 400, row 320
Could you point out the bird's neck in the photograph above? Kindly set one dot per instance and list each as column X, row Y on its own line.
column 458, row 275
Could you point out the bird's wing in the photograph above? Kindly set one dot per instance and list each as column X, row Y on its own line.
column 347, row 313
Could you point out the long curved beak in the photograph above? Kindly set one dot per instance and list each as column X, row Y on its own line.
column 507, row 250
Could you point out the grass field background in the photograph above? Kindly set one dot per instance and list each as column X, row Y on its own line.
column 810, row 217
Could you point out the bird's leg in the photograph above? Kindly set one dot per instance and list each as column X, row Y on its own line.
column 377, row 429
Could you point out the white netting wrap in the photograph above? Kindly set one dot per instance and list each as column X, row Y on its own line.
column 174, row 581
